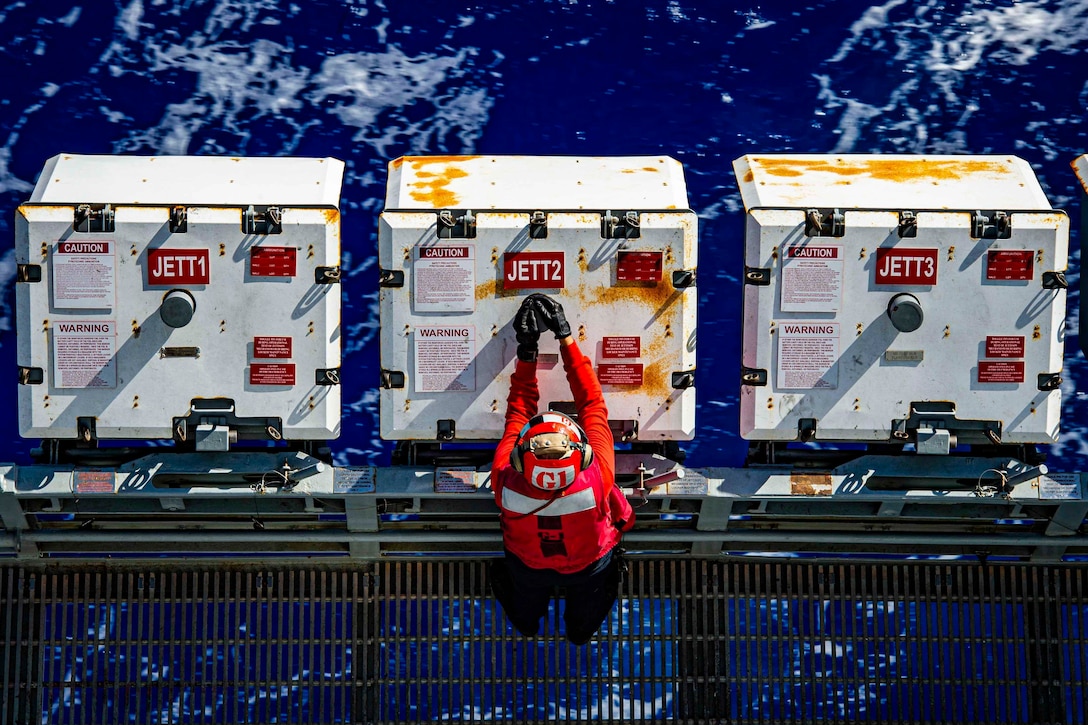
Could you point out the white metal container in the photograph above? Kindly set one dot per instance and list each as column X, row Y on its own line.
column 181, row 289
column 449, row 293
column 895, row 298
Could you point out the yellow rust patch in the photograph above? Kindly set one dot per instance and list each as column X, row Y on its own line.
column 883, row 169
column 657, row 296
column 332, row 216
column 810, row 484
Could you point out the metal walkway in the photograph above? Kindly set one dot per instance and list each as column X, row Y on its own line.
column 692, row 641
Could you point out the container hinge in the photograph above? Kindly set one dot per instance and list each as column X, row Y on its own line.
column 327, row 376
column 446, row 429
column 753, row 376
column 1055, row 280
column 683, row 379
column 991, row 225
column 932, row 416
column 31, row 376
column 621, row 227
column 1050, row 381
column 179, row 220
column 683, row 278
column 392, row 379
column 806, row 429
column 391, row 278
column 262, row 220
column 538, row 225
column 759, row 276
column 93, row 218
column 456, row 224
column 327, row 275
column 908, row 225
column 825, row 223
column 28, row 273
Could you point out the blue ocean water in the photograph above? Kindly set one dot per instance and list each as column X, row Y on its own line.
column 705, row 82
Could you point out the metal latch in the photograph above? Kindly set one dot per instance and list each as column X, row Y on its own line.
column 179, row 220
column 991, row 225
column 625, row 227
column 455, row 224
column 93, row 218
column 262, row 220
column 825, row 223
column 538, row 225
column 908, row 225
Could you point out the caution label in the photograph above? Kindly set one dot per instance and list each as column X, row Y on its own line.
column 272, row 374
column 620, row 373
column 807, row 355
column 1001, row 371
column 276, row 347
column 1010, row 264
column 84, row 354
column 811, row 278
column 1004, row 346
column 84, row 275
column 444, row 279
column 445, row 359
column 461, row 479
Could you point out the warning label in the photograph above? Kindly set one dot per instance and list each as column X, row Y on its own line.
column 807, row 353
column 811, row 278
column 272, row 374
column 445, row 359
column 444, row 279
column 84, row 275
column 83, row 354
column 619, row 347
column 92, row 481
column 353, row 480
column 1004, row 346
column 272, row 347
column 455, row 480
column 1059, row 486
column 620, row 373
column 1004, row 371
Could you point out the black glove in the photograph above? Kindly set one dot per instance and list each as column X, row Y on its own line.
column 551, row 315
column 527, row 330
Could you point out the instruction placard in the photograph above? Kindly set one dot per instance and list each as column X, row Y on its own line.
column 445, row 359
column 444, row 279
column 811, row 278
column 460, row 479
column 84, row 354
column 807, row 353
column 1059, row 486
column 84, row 275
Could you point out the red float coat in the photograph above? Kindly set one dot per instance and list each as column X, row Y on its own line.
column 584, row 521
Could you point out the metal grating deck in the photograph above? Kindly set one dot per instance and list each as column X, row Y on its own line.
column 692, row 641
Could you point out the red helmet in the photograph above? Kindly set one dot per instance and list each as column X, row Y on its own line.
column 550, row 451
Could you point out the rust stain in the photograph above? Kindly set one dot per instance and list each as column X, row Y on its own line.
column 883, row 169
column 657, row 295
column 810, row 484
column 486, row 290
column 749, row 176
column 332, row 216
column 435, row 174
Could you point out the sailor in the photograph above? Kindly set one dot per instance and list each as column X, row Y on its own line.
column 554, row 481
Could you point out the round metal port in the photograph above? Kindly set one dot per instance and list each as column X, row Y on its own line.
column 905, row 312
column 177, row 308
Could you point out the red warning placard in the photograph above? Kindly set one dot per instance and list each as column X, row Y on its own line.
column 272, row 374
column 620, row 347
column 620, row 373
column 272, row 261
column 275, row 347
column 1004, row 346
column 1010, row 264
column 1003, row 371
